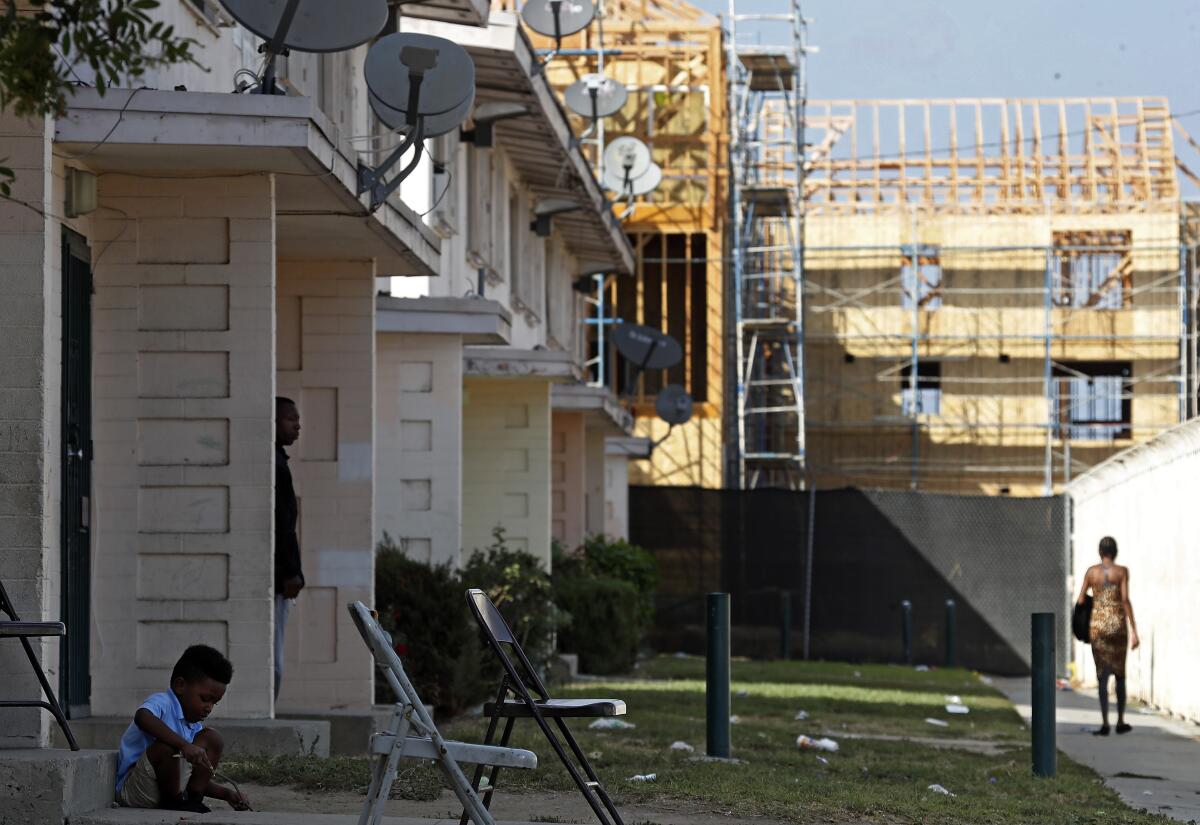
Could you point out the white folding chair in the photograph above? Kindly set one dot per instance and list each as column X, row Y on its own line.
column 410, row 716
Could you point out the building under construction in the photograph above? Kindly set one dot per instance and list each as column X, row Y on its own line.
column 998, row 293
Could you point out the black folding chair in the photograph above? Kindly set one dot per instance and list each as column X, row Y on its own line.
column 14, row 628
column 515, row 700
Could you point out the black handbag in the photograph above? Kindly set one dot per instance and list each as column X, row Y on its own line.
column 1081, row 620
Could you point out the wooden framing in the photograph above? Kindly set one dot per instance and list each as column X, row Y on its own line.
column 1104, row 155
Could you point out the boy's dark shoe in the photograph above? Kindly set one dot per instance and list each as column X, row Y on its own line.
column 184, row 803
column 1123, row 728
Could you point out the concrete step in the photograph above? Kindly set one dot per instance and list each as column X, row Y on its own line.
column 278, row 737
column 127, row 816
column 349, row 730
column 50, row 787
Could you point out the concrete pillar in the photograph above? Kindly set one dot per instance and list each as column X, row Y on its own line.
column 594, row 472
column 30, row 316
column 326, row 345
column 419, row 428
column 568, row 473
column 183, row 428
column 616, row 496
column 506, row 463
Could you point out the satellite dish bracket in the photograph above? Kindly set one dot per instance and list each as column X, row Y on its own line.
column 481, row 135
column 276, row 47
column 371, row 180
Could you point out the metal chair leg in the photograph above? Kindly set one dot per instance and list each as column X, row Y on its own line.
column 53, row 700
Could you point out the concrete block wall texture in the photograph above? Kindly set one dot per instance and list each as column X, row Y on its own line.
column 594, row 472
column 326, row 363
column 183, row 426
column 30, row 309
column 506, row 464
column 419, row 444
column 1143, row 498
column 568, row 478
column 616, row 496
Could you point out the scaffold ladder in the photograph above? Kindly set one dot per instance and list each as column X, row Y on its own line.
column 767, row 88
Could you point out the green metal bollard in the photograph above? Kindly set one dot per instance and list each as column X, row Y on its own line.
column 951, row 658
column 717, row 666
column 1043, row 729
column 906, row 630
column 785, row 625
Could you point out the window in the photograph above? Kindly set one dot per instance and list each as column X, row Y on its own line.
column 929, row 389
column 479, row 207
column 924, row 280
column 669, row 292
column 1093, row 270
column 1093, row 400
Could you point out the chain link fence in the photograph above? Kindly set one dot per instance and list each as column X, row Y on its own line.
column 833, row 567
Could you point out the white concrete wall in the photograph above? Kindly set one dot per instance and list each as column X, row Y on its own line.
column 325, row 362
column 30, row 378
column 594, row 472
column 419, row 432
column 184, row 316
column 568, row 474
column 506, row 464
column 616, row 496
column 1145, row 499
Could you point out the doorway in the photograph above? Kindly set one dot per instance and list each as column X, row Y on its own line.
column 74, row 665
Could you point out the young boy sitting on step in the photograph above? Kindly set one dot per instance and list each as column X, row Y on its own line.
column 167, row 755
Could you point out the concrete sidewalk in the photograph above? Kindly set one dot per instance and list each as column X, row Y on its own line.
column 1156, row 766
column 128, row 816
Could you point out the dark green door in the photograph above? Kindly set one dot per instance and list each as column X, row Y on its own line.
column 75, row 679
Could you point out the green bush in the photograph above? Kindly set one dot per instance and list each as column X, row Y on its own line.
column 605, row 625
column 520, row 588
column 618, row 559
column 422, row 606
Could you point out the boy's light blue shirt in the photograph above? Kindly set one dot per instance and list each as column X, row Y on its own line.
column 135, row 740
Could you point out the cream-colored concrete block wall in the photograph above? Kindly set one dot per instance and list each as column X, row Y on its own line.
column 616, row 496
column 419, row 445
column 326, row 363
column 506, row 464
column 1144, row 500
column 183, row 479
column 594, row 473
column 568, row 478
column 30, row 379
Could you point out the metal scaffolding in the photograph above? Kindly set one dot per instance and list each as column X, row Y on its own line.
column 767, row 98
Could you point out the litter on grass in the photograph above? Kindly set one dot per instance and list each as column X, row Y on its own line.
column 724, row 760
column 822, row 760
column 941, row 723
column 735, row 720
column 682, row 746
column 956, row 708
column 987, row 680
column 939, row 789
column 741, row 694
column 953, row 700
column 611, row 724
column 822, row 744
column 801, row 715
column 921, row 668
column 596, row 755
column 642, row 777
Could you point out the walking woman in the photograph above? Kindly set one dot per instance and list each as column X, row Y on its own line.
column 1111, row 609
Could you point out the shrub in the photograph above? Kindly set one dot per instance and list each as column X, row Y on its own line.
column 605, row 624
column 422, row 606
column 520, row 588
column 618, row 559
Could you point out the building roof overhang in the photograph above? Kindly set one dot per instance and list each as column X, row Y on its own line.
column 513, row 362
column 542, row 147
column 466, row 12
column 598, row 403
column 477, row 320
column 633, row 447
column 200, row 134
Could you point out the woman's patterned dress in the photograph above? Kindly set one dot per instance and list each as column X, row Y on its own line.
column 1110, row 638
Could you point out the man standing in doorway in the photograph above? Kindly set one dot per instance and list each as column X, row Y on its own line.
column 289, row 580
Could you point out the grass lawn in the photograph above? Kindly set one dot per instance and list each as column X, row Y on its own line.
column 867, row 779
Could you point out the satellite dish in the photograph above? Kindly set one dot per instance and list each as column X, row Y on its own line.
column 595, row 96
column 673, row 405
column 419, row 75
column 647, row 347
column 628, row 157
column 315, row 25
column 435, row 125
column 558, row 18
column 614, row 181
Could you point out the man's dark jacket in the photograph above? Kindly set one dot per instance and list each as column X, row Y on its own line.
column 287, row 545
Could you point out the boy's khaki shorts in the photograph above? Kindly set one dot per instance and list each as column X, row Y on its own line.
column 141, row 785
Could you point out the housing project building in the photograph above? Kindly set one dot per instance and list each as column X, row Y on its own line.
column 228, row 257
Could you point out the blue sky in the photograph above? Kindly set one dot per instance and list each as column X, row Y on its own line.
column 1019, row 48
